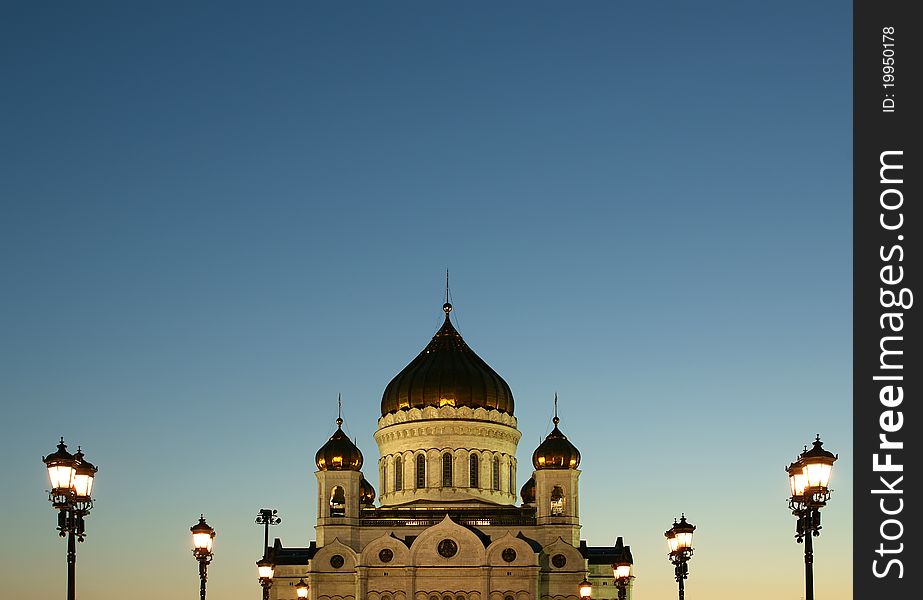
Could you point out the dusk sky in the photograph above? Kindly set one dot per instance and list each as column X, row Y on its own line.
column 217, row 217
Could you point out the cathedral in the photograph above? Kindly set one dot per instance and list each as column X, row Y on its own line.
column 449, row 524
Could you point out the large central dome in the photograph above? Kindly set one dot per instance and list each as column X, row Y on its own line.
column 447, row 373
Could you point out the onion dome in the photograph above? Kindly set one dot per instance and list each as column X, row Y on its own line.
column 366, row 493
column 339, row 453
column 528, row 491
column 447, row 373
column 556, row 452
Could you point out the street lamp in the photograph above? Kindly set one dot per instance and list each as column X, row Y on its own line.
column 808, row 478
column 71, row 477
column 679, row 539
column 265, row 570
column 203, row 538
column 621, row 570
column 585, row 588
column 301, row 588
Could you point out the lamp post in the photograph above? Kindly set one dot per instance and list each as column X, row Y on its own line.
column 301, row 589
column 71, row 477
column 585, row 588
column 808, row 478
column 621, row 570
column 679, row 538
column 265, row 570
column 203, row 538
column 267, row 517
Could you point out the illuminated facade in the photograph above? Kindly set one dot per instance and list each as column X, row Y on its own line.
column 448, row 525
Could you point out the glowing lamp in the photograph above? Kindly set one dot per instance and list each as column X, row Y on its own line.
column 818, row 466
column 203, row 538
column 62, row 467
column 586, row 589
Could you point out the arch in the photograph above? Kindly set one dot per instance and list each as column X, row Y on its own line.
column 495, row 479
column 447, row 479
column 424, row 551
column 398, row 474
column 420, row 479
column 337, row 501
column 473, row 470
column 557, row 500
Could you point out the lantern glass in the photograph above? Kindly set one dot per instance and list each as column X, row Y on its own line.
column 622, row 571
column 672, row 542
column 818, row 474
column 301, row 589
column 61, row 476
column 797, row 479
column 265, row 571
column 586, row 589
column 203, row 541
column 83, row 481
column 683, row 540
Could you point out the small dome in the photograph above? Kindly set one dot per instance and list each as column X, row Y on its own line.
column 447, row 373
column 339, row 453
column 366, row 493
column 556, row 452
column 528, row 491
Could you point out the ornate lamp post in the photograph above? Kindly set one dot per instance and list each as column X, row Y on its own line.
column 301, row 589
column 621, row 570
column 71, row 477
column 265, row 570
column 808, row 478
column 679, row 538
column 203, row 538
column 585, row 588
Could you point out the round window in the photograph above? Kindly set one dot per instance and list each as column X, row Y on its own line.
column 336, row 561
column 447, row 548
column 509, row 555
column 386, row 555
column 559, row 560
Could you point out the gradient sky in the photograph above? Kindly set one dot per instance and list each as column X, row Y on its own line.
column 215, row 218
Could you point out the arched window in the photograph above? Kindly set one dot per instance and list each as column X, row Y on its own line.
column 421, row 471
column 557, row 500
column 447, row 470
column 337, row 502
column 384, row 477
column 512, row 488
column 398, row 474
column 473, row 471
column 496, row 473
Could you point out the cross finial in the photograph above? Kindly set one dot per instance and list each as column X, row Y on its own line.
column 447, row 307
column 339, row 410
column 556, row 420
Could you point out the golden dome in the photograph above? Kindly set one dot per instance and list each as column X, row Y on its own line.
column 366, row 493
column 556, row 452
column 339, row 453
column 528, row 491
column 447, row 373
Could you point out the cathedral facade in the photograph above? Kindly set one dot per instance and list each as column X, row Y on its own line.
column 449, row 524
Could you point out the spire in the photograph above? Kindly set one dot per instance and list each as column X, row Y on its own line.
column 447, row 307
column 339, row 411
column 556, row 420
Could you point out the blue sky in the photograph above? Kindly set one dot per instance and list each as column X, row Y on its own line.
column 218, row 217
